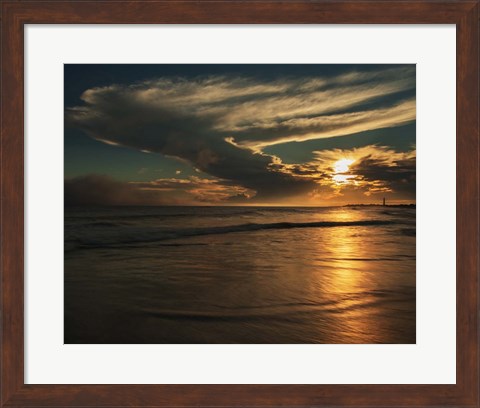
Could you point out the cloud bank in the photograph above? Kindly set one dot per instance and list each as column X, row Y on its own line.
column 102, row 190
column 220, row 125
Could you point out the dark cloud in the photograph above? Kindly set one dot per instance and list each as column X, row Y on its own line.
column 103, row 190
column 399, row 178
column 176, row 134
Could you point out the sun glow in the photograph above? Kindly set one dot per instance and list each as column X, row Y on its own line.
column 342, row 178
column 342, row 165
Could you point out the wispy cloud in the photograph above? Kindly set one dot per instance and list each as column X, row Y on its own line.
column 326, row 126
column 198, row 190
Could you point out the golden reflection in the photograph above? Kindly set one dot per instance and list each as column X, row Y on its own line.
column 349, row 287
column 346, row 278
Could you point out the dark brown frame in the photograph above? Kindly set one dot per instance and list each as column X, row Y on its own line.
column 463, row 13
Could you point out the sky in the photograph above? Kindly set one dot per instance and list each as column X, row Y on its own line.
column 289, row 135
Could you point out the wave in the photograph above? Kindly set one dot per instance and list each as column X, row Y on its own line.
column 176, row 212
column 134, row 236
column 148, row 216
column 285, row 225
column 290, row 311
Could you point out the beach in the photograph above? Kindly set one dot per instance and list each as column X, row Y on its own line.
column 196, row 275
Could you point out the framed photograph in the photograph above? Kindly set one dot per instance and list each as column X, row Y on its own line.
column 266, row 203
column 240, row 203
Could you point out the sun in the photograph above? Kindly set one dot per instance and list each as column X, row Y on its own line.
column 342, row 165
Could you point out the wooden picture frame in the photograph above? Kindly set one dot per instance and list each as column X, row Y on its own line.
column 15, row 14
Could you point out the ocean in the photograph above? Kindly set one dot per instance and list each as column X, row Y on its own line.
column 334, row 275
